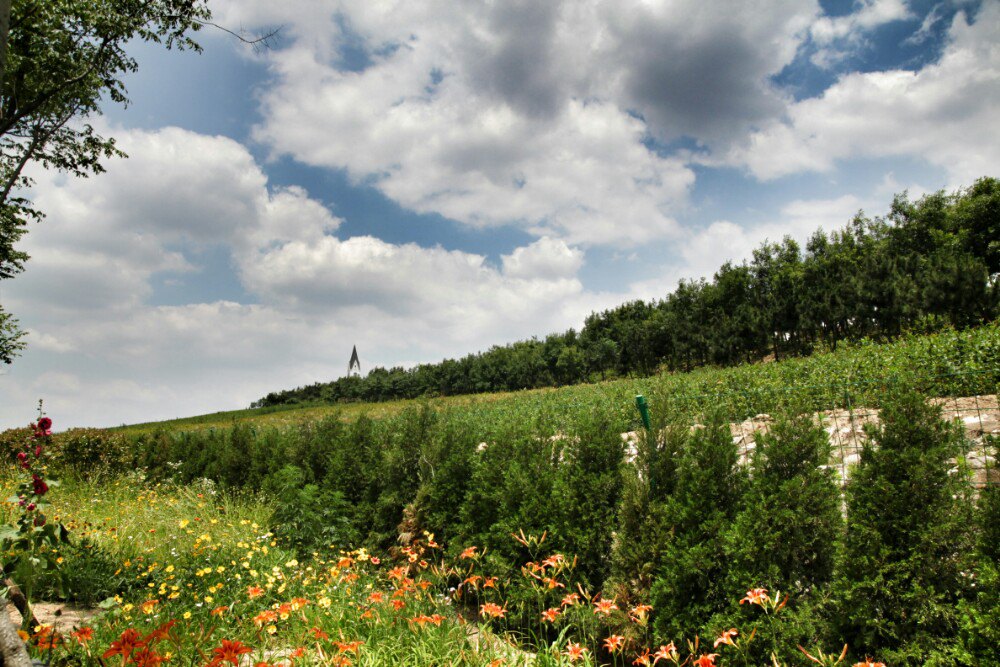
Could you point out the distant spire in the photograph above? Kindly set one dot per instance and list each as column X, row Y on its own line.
column 355, row 364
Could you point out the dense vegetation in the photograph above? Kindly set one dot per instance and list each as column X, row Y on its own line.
column 927, row 264
column 907, row 574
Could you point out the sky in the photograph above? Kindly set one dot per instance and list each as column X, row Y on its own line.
column 428, row 179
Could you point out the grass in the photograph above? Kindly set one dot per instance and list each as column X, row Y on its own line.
column 950, row 363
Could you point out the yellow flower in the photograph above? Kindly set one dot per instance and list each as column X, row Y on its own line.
column 187, row 615
column 184, row 523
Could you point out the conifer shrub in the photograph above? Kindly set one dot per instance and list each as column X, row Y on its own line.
column 785, row 538
column 980, row 632
column 642, row 519
column 709, row 494
column 910, row 538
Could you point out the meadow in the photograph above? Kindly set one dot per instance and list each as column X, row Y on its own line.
column 522, row 529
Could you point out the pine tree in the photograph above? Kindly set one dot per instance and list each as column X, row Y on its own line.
column 909, row 537
column 690, row 586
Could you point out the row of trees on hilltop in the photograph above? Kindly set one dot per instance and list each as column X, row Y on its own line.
column 928, row 264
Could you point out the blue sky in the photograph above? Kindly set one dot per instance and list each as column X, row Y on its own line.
column 425, row 180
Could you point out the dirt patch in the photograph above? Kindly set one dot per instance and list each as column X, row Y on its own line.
column 63, row 618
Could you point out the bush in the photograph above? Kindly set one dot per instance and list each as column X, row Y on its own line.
column 910, row 538
column 307, row 518
column 690, row 586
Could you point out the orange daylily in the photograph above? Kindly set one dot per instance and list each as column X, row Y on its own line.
column 147, row 657
column 83, row 635
column 643, row 659
column 575, row 651
column 757, row 596
column 726, row 638
column 706, row 660
column 550, row 615
column 667, row 652
column 229, row 651
column 570, row 599
column 349, row 647
column 614, row 643
column 492, row 610
column 604, row 607
column 129, row 641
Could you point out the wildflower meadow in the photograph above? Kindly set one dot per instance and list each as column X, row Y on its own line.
column 439, row 537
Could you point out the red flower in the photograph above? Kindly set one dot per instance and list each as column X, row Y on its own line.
column 41, row 488
column 129, row 641
column 83, row 635
column 45, row 424
column 230, row 651
column 147, row 657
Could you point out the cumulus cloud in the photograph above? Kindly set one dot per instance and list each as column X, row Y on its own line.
column 520, row 113
column 944, row 113
column 86, row 295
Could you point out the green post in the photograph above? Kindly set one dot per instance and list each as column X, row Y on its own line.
column 640, row 402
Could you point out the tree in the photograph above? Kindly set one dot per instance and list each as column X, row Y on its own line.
column 59, row 61
column 910, row 538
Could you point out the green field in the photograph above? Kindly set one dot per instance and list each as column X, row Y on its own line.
column 952, row 363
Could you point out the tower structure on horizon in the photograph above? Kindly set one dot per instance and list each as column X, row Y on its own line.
column 354, row 365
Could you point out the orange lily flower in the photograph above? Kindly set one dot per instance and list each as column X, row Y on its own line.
column 492, row 610
column 726, row 638
column 667, row 652
column 570, row 599
column 129, row 640
column 230, row 651
column 550, row 615
column 604, row 607
column 643, row 659
column 83, row 635
column 614, row 643
column 575, row 651
column 757, row 596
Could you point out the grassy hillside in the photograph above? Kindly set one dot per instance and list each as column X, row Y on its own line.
column 951, row 363
column 674, row 531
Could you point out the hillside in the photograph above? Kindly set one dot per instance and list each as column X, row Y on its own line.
column 926, row 266
column 951, row 363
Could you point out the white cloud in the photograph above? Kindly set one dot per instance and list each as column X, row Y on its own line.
column 838, row 37
column 523, row 113
column 546, row 258
column 944, row 113
column 102, row 354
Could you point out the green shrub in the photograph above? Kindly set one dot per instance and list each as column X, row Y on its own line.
column 785, row 538
column 690, row 584
column 308, row 518
column 910, row 538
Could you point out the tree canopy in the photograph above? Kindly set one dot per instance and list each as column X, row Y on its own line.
column 928, row 264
